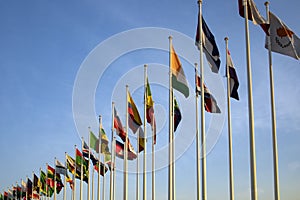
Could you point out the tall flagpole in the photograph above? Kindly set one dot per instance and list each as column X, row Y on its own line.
column 55, row 180
column 170, row 181
column 153, row 161
column 112, row 153
column 93, row 185
column 125, row 195
column 137, row 167
column 145, row 136
column 26, row 194
column 197, row 137
column 89, row 187
column 251, row 112
column 65, row 178
column 273, row 111
column 99, row 150
column 81, row 173
column 46, row 183
column 203, row 140
column 114, row 166
column 231, row 182
column 100, row 146
column 74, row 176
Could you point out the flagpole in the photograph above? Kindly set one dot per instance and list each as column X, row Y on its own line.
column 273, row 111
column 112, row 153
column 251, row 112
column 125, row 195
column 93, row 174
column 54, row 179
column 137, row 167
column 81, row 173
column 114, row 167
column 74, row 176
column 89, row 187
column 46, row 183
column 65, row 181
column 100, row 149
column 203, row 140
column 145, row 136
column 33, row 185
column 197, row 137
column 170, row 181
column 231, row 181
column 153, row 161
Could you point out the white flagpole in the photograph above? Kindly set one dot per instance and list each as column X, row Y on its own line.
column 273, row 111
column 203, row 136
column 114, row 168
column 145, row 136
column 81, row 172
column 198, row 191
column 231, row 181
column 137, row 166
column 65, row 178
column 46, row 183
column 33, row 184
column 153, row 162
column 250, row 104
column 93, row 176
column 103, row 186
column 54, row 179
column 112, row 153
column 74, row 176
column 99, row 152
column 100, row 149
column 170, row 181
column 26, row 194
column 89, row 187
column 125, row 195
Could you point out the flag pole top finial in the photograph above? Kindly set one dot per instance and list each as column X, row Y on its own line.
column 226, row 38
column 199, row 1
column 145, row 65
column 170, row 37
column 267, row 3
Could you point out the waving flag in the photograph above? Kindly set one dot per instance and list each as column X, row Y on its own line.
column 179, row 81
column 210, row 48
column 210, row 102
column 177, row 115
column 120, row 151
column 118, row 126
column 134, row 119
column 234, row 82
column 283, row 39
column 150, row 110
column 253, row 15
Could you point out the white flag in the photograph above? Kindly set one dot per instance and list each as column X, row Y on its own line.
column 283, row 39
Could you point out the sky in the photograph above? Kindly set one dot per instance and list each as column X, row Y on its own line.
column 59, row 57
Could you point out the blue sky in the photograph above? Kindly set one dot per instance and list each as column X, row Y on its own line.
column 44, row 44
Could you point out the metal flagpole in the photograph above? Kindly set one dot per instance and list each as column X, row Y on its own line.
column 33, row 184
column 153, row 162
column 89, row 141
column 103, row 186
column 231, row 182
column 125, row 195
column 99, row 150
column 145, row 136
column 89, row 187
column 203, row 140
column 26, row 194
column 171, row 180
column 54, row 179
column 198, row 191
column 47, row 196
column 137, row 166
column 74, row 176
column 111, row 157
column 93, row 177
column 65, row 178
column 251, row 112
column 273, row 111
column 114, row 166
column 81, row 173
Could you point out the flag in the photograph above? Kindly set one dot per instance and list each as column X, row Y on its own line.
column 179, row 81
column 234, row 82
column 102, row 170
column 50, row 180
column 118, row 126
column 70, row 181
column 94, row 142
column 59, row 183
column 210, row 102
column 43, row 187
column 283, row 39
column 253, row 15
column 177, row 114
column 150, row 110
column 134, row 119
column 82, row 161
column 1, row 197
column 71, row 164
column 60, row 168
column 29, row 188
column 23, row 188
column 210, row 48
column 120, row 151
column 36, row 187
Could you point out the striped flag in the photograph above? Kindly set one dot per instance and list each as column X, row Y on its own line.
column 120, row 150
column 179, row 81
column 118, row 126
column 177, row 114
column 150, row 110
column 234, row 82
column 134, row 119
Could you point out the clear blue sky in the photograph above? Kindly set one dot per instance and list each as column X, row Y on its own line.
column 44, row 43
